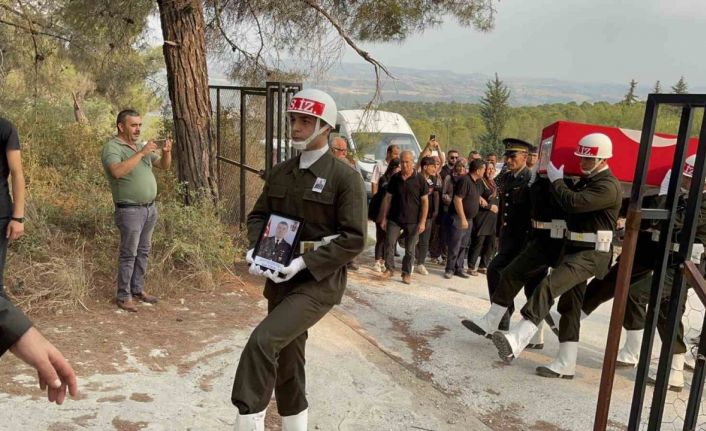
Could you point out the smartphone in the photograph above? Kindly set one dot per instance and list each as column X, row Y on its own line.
column 432, row 137
column 160, row 142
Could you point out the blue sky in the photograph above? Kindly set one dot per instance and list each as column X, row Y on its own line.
column 609, row 41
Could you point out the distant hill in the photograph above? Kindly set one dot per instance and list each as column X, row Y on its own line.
column 353, row 84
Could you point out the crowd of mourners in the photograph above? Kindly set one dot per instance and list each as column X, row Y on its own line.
column 442, row 210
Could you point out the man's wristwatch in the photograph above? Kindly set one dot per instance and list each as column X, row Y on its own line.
column 18, row 219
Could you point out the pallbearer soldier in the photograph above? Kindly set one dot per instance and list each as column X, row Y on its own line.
column 329, row 196
column 592, row 212
column 542, row 252
column 600, row 291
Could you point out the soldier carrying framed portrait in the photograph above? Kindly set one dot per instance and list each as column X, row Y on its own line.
column 278, row 241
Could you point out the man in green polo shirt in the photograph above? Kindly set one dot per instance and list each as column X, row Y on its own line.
column 128, row 167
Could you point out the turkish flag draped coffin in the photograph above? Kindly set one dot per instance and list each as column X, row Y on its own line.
column 560, row 140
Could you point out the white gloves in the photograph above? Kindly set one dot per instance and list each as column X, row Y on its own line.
column 253, row 268
column 664, row 187
column 555, row 173
column 533, row 173
column 287, row 272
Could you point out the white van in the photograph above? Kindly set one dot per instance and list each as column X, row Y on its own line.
column 369, row 133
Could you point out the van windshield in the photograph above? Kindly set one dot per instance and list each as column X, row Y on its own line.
column 375, row 144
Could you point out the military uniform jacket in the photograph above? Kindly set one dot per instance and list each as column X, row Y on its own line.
column 514, row 216
column 545, row 208
column 592, row 205
column 338, row 209
column 13, row 324
column 269, row 249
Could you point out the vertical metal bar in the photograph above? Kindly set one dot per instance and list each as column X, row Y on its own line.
column 697, row 385
column 218, row 140
column 269, row 118
column 697, row 382
column 625, row 268
column 243, row 161
column 662, row 382
column 279, row 122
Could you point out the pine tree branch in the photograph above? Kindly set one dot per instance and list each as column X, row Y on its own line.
column 349, row 40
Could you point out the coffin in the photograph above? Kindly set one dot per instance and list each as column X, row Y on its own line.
column 560, row 140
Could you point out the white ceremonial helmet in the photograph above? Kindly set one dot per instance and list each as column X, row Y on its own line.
column 595, row 146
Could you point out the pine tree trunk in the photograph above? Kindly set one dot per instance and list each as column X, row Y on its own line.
column 187, row 77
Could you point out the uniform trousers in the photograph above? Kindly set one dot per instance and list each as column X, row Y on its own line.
column 273, row 357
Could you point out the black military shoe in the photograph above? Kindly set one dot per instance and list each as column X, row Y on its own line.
column 546, row 372
column 475, row 328
column 537, row 346
column 503, row 346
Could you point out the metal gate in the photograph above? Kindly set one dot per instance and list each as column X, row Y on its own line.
column 687, row 104
column 251, row 136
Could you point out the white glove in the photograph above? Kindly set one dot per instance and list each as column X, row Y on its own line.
column 664, row 187
column 253, row 269
column 553, row 173
column 287, row 272
column 533, row 173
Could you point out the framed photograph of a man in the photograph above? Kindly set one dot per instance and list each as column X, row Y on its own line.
column 277, row 242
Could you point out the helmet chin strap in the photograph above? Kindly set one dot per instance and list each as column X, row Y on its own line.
column 589, row 172
column 301, row 145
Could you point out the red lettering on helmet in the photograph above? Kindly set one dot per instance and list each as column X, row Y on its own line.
column 587, row 151
column 688, row 169
column 307, row 106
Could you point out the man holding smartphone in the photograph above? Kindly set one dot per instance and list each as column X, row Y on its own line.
column 128, row 167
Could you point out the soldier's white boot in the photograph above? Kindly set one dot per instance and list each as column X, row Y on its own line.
column 629, row 354
column 510, row 345
column 676, row 374
column 296, row 422
column 564, row 365
column 487, row 324
column 252, row 422
column 537, row 342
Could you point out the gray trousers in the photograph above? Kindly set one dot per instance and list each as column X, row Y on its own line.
column 136, row 225
column 410, row 245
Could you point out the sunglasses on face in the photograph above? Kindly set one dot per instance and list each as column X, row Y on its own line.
column 453, row 157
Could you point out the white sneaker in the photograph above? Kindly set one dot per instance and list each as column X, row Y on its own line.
column 421, row 269
column 378, row 267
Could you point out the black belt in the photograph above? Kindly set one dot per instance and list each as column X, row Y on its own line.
column 124, row 205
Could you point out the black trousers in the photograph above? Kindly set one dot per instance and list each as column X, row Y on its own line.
column 600, row 291
column 3, row 252
column 482, row 246
column 380, row 236
column 273, row 357
column 569, row 276
column 508, row 250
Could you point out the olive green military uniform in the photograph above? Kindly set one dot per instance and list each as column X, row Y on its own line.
column 592, row 205
column 646, row 258
column 514, row 221
column 273, row 357
column 13, row 324
column 531, row 265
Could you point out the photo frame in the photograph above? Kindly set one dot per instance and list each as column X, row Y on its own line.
column 278, row 241
column 545, row 154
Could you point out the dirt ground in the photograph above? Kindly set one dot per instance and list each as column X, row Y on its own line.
column 390, row 357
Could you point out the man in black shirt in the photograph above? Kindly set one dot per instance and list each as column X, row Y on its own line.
column 463, row 208
column 11, row 209
column 405, row 208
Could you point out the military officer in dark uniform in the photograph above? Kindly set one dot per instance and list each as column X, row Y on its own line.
column 514, row 220
column 276, row 248
column 592, row 212
column 330, row 197
column 546, row 241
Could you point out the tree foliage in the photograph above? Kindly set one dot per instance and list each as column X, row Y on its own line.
column 630, row 97
column 494, row 109
column 680, row 87
column 460, row 125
